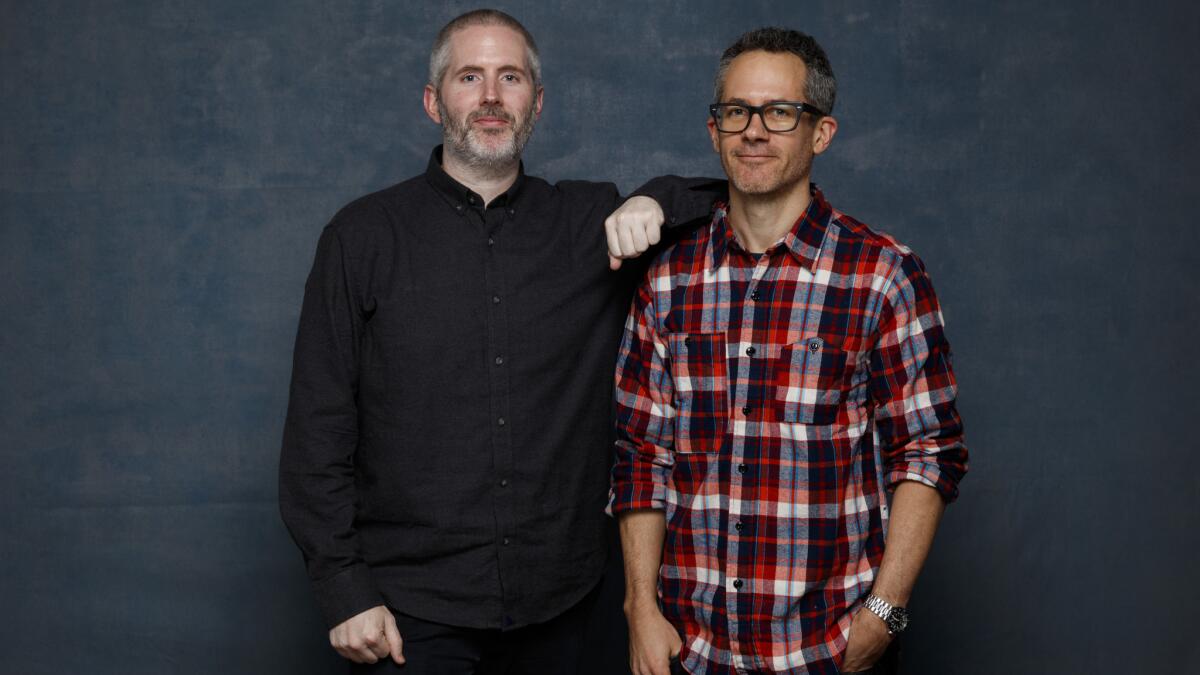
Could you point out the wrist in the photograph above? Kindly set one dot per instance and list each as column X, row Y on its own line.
column 641, row 606
column 894, row 617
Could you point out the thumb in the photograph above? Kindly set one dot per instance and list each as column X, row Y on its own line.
column 395, row 643
column 613, row 263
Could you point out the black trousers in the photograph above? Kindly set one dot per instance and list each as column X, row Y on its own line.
column 550, row 648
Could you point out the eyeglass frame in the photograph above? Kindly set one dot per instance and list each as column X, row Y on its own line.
column 800, row 106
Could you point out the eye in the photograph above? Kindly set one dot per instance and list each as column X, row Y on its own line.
column 735, row 112
column 510, row 77
column 470, row 77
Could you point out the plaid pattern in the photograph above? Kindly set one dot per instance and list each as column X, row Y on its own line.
column 766, row 404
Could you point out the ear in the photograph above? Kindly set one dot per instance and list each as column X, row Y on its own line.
column 714, row 135
column 431, row 104
column 537, row 105
column 823, row 133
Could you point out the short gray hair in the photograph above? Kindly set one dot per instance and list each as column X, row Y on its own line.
column 820, row 86
column 439, row 56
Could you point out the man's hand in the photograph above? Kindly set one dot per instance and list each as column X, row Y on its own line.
column 652, row 642
column 868, row 640
column 632, row 229
column 368, row 637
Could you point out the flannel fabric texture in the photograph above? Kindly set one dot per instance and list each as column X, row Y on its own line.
column 766, row 403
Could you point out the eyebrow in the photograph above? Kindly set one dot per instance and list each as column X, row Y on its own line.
column 506, row 68
column 742, row 101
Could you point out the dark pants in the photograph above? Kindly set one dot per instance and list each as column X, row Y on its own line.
column 550, row 648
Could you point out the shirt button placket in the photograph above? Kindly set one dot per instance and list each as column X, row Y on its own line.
column 498, row 346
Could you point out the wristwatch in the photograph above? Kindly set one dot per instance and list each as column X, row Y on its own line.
column 896, row 618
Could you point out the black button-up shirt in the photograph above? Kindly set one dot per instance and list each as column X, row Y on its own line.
column 449, row 431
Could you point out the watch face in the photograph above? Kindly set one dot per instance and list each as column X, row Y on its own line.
column 897, row 620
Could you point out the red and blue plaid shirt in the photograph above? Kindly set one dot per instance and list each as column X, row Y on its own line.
column 766, row 404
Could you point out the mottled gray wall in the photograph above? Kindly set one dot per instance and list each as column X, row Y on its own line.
column 165, row 169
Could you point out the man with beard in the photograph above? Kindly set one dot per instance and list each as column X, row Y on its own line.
column 445, row 454
column 783, row 369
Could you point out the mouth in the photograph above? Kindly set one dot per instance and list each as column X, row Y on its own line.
column 490, row 122
column 490, row 118
column 753, row 158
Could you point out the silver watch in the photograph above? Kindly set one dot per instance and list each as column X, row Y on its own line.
column 896, row 618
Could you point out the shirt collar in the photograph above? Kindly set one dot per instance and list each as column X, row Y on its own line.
column 460, row 196
column 803, row 241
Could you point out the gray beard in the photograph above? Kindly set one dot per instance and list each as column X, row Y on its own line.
column 460, row 140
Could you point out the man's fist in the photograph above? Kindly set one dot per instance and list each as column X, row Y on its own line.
column 653, row 642
column 368, row 637
column 632, row 229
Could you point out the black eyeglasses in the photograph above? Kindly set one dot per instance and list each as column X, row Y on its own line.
column 780, row 116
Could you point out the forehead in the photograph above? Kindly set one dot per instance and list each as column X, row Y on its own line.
column 765, row 76
column 487, row 46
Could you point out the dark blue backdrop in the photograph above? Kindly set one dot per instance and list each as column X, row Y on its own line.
column 165, row 169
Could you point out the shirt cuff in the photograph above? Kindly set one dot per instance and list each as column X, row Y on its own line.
column 634, row 496
column 942, row 476
column 347, row 593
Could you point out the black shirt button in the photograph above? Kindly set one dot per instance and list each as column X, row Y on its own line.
column 512, row 212
column 755, row 295
column 737, row 583
column 739, row 527
column 491, row 242
column 506, row 541
column 750, row 351
column 495, row 299
column 503, row 482
column 459, row 208
column 499, row 360
column 741, row 468
column 501, row 421
column 746, row 410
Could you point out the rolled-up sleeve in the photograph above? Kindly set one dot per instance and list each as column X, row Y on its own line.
column 913, row 386
column 645, row 415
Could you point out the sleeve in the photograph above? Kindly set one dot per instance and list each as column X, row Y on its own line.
column 913, row 386
column 316, row 465
column 683, row 199
column 644, row 413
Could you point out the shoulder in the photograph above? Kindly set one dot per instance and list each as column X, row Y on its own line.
column 577, row 194
column 585, row 187
column 899, row 273
column 362, row 221
column 681, row 263
column 579, row 206
column 373, row 207
column 856, row 239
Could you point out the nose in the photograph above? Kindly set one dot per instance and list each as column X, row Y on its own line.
column 491, row 91
column 757, row 128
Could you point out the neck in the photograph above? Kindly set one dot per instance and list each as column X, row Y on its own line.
column 760, row 220
column 488, row 180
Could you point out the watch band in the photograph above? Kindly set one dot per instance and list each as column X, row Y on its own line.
column 895, row 618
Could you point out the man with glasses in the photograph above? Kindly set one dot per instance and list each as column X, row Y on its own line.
column 783, row 371
column 447, row 444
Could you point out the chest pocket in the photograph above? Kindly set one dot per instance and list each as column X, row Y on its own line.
column 808, row 380
column 698, row 369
